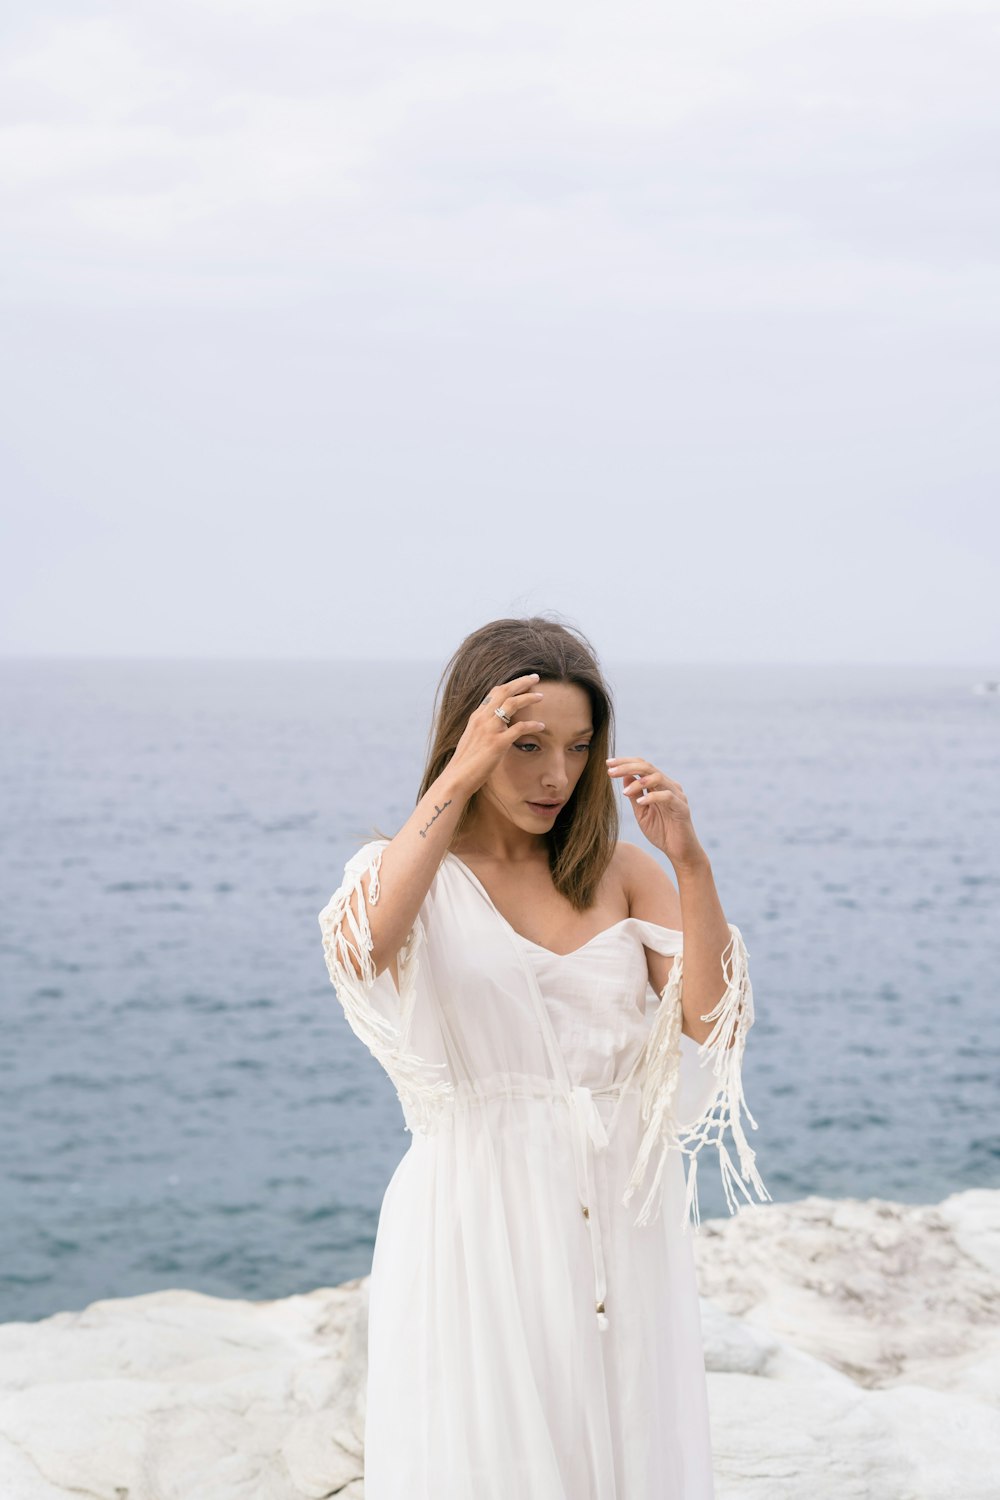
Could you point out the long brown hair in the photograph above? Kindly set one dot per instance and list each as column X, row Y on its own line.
column 583, row 838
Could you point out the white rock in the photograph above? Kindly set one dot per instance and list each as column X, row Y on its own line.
column 900, row 1304
column 852, row 1349
column 885, row 1292
column 179, row 1396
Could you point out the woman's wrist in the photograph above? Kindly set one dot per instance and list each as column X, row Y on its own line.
column 693, row 865
column 452, row 784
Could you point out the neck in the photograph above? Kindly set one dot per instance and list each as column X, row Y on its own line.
column 491, row 833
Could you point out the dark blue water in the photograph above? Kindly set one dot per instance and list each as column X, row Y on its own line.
column 181, row 1102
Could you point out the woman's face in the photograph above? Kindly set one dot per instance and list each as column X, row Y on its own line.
column 543, row 766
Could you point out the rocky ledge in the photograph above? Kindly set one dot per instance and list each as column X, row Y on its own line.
column 852, row 1347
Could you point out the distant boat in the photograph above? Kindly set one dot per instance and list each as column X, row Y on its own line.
column 986, row 687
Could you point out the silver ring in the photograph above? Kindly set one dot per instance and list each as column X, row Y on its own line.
column 501, row 715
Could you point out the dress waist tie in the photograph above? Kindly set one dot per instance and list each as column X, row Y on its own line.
column 590, row 1136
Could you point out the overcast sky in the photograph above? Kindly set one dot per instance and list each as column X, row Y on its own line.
column 339, row 329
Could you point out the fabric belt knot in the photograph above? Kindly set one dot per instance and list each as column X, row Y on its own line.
column 590, row 1136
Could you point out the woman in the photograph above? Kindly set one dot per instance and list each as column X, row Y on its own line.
column 531, row 1335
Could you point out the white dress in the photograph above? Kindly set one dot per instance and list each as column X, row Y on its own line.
column 528, row 1336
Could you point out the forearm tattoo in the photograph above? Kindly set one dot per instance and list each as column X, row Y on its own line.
column 437, row 813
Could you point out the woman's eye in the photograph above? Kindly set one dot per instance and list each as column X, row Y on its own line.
column 532, row 745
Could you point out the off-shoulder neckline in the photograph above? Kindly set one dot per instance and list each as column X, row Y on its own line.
column 642, row 921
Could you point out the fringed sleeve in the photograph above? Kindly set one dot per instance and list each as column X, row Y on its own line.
column 376, row 1012
column 733, row 1017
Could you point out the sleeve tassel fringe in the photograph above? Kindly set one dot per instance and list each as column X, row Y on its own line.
column 346, row 936
column 733, row 1017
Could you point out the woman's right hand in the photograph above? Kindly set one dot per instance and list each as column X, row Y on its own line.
column 486, row 738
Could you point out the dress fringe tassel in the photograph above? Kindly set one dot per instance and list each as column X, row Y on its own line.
column 346, row 936
column 733, row 1017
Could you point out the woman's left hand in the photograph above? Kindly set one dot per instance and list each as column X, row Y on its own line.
column 660, row 807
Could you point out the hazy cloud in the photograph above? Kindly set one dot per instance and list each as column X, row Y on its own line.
column 681, row 319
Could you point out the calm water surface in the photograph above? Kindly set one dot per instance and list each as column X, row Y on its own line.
column 181, row 1101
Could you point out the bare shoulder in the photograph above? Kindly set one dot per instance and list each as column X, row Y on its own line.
column 652, row 894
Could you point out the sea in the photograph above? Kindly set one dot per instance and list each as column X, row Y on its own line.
column 182, row 1103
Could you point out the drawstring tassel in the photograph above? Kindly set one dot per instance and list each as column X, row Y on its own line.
column 347, row 936
column 733, row 1017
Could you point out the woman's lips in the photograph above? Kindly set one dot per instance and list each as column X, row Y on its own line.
column 545, row 809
